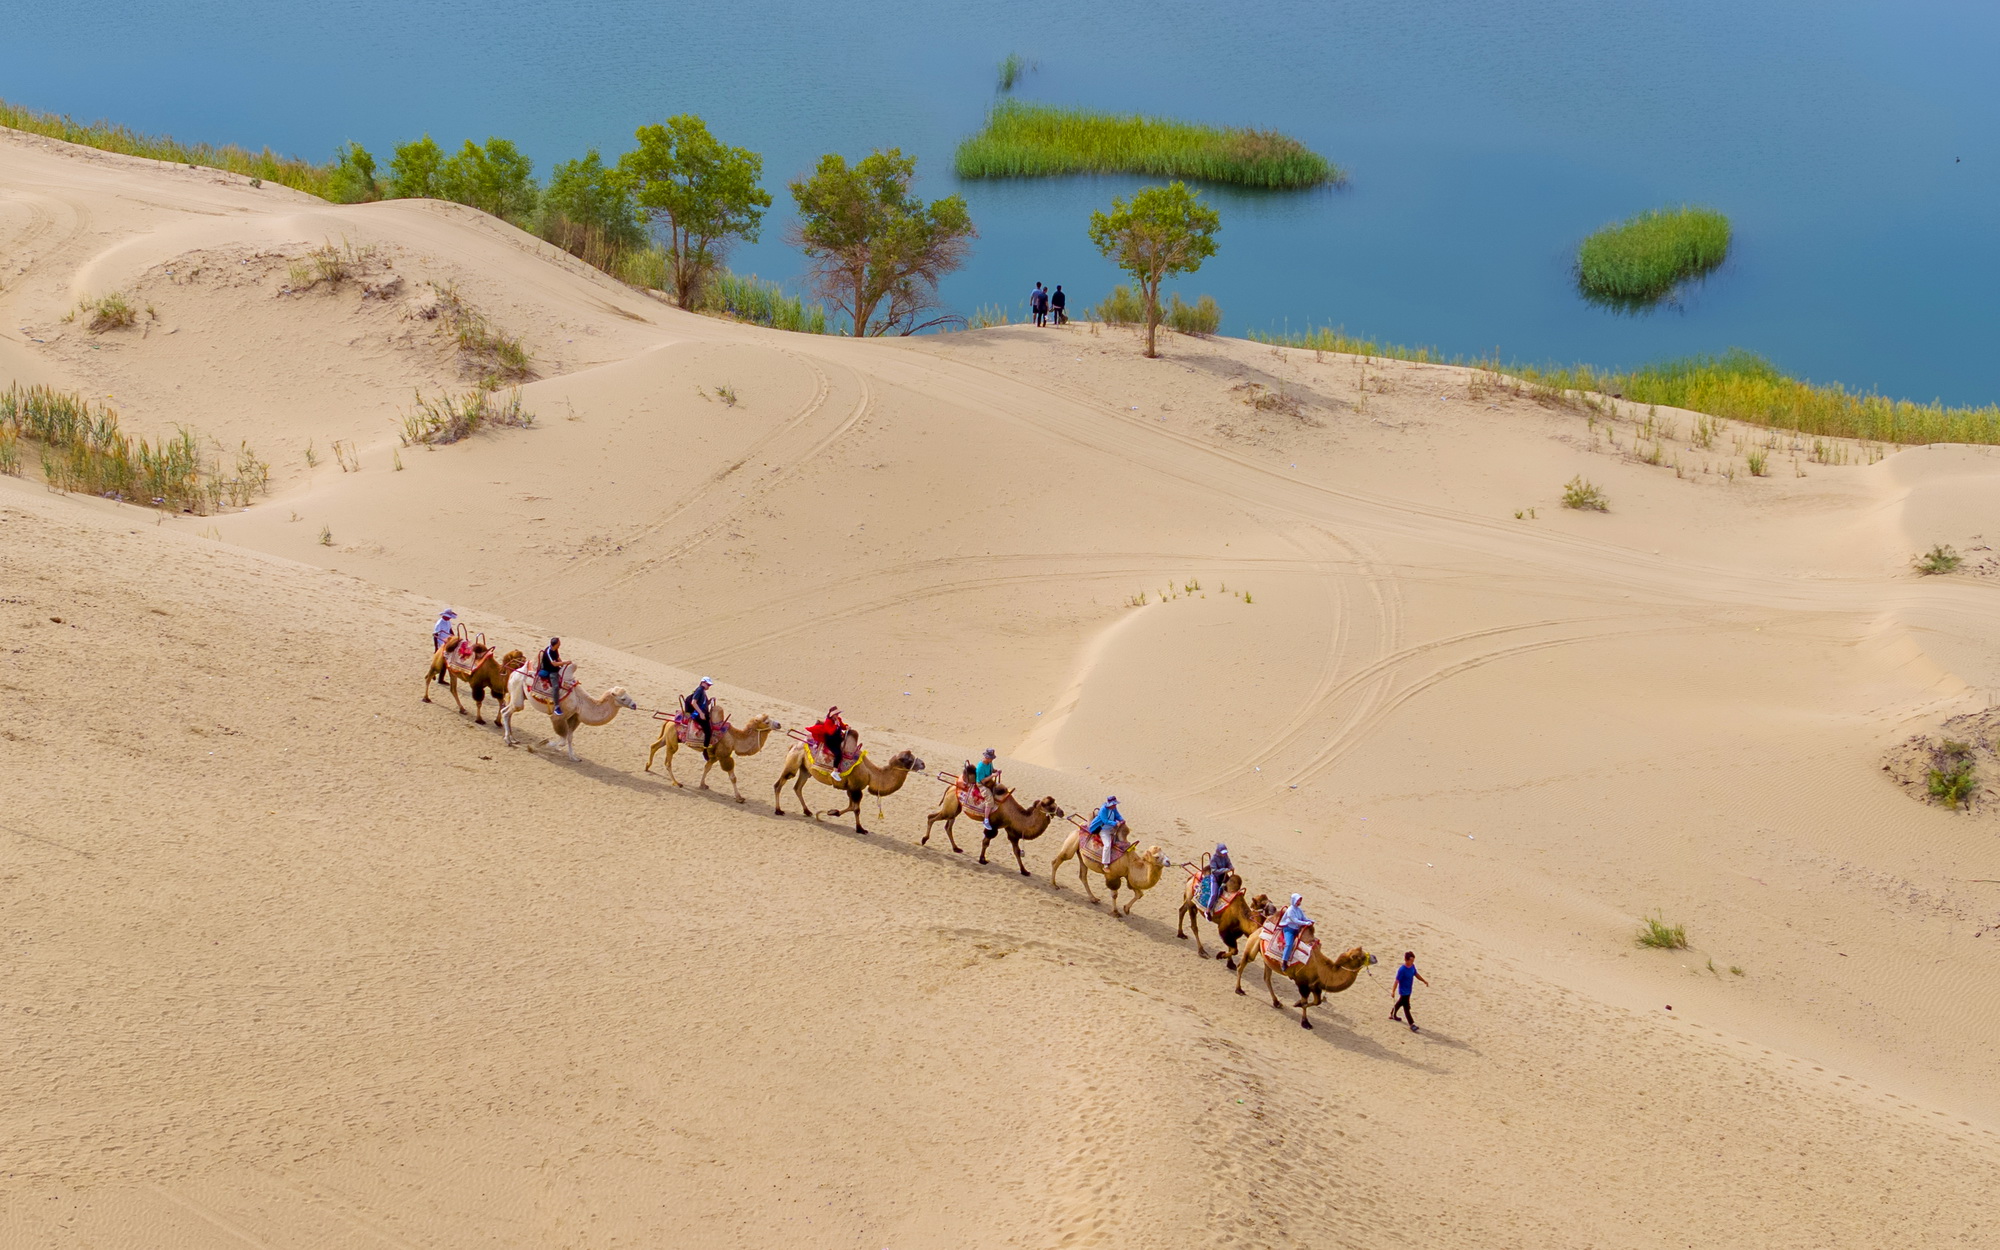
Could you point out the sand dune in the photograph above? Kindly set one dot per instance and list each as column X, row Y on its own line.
column 303, row 961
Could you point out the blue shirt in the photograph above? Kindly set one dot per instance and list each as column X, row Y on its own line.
column 983, row 771
column 1406, row 978
column 1107, row 818
column 1294, row 917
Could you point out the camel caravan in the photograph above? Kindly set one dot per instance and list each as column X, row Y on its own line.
column 829, row 752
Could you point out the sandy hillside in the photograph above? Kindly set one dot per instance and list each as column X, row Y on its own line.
column 312, row 963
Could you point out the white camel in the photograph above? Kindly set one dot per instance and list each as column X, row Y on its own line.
column 578, row 708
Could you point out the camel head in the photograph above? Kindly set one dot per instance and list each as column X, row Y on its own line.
column 623, row 700
column 511, row 661
column 1261, row 905
column 1047, row 803
column 762, row 724
column 1355, row 959
column 907, row 762
column 1155, row 858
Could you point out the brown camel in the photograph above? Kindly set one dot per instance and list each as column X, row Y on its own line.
column 1022, row 824
column 864, row 776
column 1140, row 872
column 489, row 674
column 1238, row 919
column 578, row 708
column 727, row 743
column 1317, row 977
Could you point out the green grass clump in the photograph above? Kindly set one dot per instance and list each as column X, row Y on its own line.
column 1640, row 259
column 83, row 450
column 105, row 136
column 1122, row 307
column 1942, row 558
column 445, row 419
column 1584, row 497
column 1044, row 141
column 1656, row 933
column 1336, row 339
column 1950, row 780
column 761, row 303
column 113, row 312
column 1012, row 66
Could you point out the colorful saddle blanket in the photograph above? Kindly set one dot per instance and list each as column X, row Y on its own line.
column 538, row 686
column 688, row 730
column 1209, row 894
column 824, row 761
column 1274, row 944
column 976, row 801
column 1106, row 849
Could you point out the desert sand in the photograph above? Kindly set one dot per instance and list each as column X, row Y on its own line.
column 299, row 961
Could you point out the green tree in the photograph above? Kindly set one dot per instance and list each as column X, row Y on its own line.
column 353, row 179
column 704, row 193
column 1160, row 233
column 413, row 171
column 494, row 179
column 872, row 243
column 588, row 209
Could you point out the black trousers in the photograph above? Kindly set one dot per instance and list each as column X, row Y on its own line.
column 1402, row 1005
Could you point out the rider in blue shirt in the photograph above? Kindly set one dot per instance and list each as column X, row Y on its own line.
column 1290, row 923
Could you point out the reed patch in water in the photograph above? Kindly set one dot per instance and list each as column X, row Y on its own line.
column 1639, row 260
column 1026, row 140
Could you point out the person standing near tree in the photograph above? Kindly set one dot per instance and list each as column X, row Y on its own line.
column 1407, row 977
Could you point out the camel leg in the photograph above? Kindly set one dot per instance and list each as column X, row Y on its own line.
column 951, row 834
column 430, row 675
column 1083, row 875
column 1018, row 861
column 799, row 792
column 730, row 770
column 778, row 792
column 854, row 805
column 1304, row 1022
column 1061, row 857
column 1268, row 987
column 479, row 705
column 1241, row 966
column 659, row 742
column 707, row 762
column 452, row 678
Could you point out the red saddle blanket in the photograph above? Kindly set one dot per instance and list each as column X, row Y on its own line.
column 976, row 801
column 463, row 657
column 1274, row 945
column 1106, row 850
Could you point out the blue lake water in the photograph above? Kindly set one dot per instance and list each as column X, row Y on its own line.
column 1852, row 142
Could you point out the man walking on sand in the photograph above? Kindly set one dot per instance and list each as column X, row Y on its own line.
column 1406, row 978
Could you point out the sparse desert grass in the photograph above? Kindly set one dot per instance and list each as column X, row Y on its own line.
column 1656, row 933
column 346, row 457
column 727, row 394
column 761, row 303
column 110, row 312
column 326, row 536
column 1641, row 259
column 83, row 450
column 1583, row 496
column 330, row 264
column 1942, row 558
column 10, row 451
column 447, row 419
column 266, row 165
column 497, row 357
column 989, row 315
column 1270, row 399
column 1758, row 463
column 1950, row 780
column 1023, row 140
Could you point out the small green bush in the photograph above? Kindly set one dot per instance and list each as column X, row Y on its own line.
column 1122, row 307
column 761, row 303
column 113, row 312
column 1656, row 933
column 1584, row 497
column 1203, row 316
column 1942, row 558
column 1642, row 258
column 435, row 422
column 1950, row 780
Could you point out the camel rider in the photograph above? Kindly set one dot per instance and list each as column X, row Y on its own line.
column 699, row 710
column 548, row 667
column 442, row 631
column 989, row 777
column 1109, row 822
column 1219, row 869
column 830, row 732
column 1293, row 920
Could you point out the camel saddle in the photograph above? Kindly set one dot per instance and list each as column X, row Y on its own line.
column 689, row 731
column 1209, row 894
column 1105, row 850
column 464, row 655
column 538, row 687
column 1274, row 944
column 823, row 759
column 976, row 800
